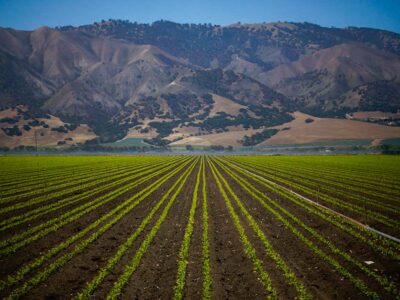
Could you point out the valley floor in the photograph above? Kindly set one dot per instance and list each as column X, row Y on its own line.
column 200, row 227
column 300, row 132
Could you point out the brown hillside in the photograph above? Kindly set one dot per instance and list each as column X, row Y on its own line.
column 328, row 129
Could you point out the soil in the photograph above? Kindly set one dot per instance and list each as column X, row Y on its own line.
column 232, row 271
column 316, row 273
column 359, row 216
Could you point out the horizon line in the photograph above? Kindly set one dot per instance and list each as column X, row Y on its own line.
column 200, row 23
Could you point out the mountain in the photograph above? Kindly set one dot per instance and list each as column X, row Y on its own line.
column 321, row 79
column 162, row 79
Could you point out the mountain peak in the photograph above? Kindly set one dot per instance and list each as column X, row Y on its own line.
column 43, row 29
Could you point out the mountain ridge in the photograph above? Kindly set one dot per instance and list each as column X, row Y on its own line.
column 116, row 75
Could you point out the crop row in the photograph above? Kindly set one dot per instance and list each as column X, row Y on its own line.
column 360, row 192
column 325, row 198
column 269, row 207
column 375, row 241
column 18, row 241
column 66, row 180
column 43, row 177
column 316, row 171
column 283, row 215
column 249, row 248
column 85, row 195
column 108, row 220
column 74, row 186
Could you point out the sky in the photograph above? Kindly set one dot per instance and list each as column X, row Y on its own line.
column 31, row 14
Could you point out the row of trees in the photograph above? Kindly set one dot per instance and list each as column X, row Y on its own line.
column 212, row 148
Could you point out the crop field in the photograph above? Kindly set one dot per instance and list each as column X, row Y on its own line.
column 200, row 227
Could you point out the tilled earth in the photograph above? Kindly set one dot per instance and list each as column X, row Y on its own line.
column 233, row 272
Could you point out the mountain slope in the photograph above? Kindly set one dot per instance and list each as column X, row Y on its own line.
column 164, row 79
column 75, row 74
column 319, row 80
column 212, row 45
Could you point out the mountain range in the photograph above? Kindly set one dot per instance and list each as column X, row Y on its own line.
column 166, row 81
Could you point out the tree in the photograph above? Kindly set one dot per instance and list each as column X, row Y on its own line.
column 309, row 120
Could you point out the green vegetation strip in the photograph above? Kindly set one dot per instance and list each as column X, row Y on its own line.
column 259, row 196
column 342, row 176
column 334, row 201
column 184, row 250
column 38, row 176
column 337, row 189
column 67, row 182
column 18, row 241
column 249, row 250
column 73, row 186
column 290, row 276
column 123, row 248
column 376, row 242
column 44, row 178
column 206, row 268
column 334, row 174
column 131, row 267
column 35, row 213
column 119, row 212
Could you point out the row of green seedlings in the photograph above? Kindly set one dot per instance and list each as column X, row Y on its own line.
column 250, row 251
column 98, row 228
column 95, row 191
column 184, row 250
column 22, row 239
column 112, row 178
column 331, row 200
column 342, row 176
column 332, row 187
column 376, row 242
column 183, row 255
column 44, row 178
column 119, row 191
column 74, row 185
column 18, row 191
column 205, row 245
column 321, row 176
column 38, row 181
column 62, row 164
column 283, row 215
column 65, row 184
column 38, row 175
column 132, row 265
column 78, row 178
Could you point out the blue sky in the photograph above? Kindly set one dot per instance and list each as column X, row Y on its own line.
column 30, row 14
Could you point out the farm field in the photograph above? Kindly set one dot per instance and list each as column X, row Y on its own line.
column 200, row 227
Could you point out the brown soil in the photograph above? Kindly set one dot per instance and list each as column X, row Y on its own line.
column 156, row 275
column 337, row 193
column 17, row 259
column 314, row 272
column 232, row 272
column 233, row 275
column 62, row 210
